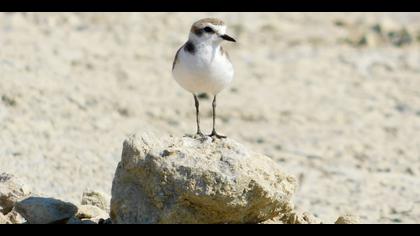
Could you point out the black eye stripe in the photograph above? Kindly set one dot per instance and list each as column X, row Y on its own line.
column 208, row 29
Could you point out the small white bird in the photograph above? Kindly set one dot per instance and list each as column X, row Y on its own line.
column 201, row 65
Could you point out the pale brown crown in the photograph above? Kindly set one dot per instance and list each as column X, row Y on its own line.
column 198, row 25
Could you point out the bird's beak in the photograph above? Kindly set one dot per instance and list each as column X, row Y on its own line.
column 227, row 37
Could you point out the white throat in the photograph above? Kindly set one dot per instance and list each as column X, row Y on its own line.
column 203, row 42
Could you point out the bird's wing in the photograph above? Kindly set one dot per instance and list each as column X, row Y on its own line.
column 176, row 57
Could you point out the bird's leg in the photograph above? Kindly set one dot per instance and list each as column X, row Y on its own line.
column 197, row 115
column 213, row 132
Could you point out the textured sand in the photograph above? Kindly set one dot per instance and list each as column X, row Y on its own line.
column 344, row 118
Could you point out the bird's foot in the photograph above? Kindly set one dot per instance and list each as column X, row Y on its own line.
column 215, row 135
column 199, row 136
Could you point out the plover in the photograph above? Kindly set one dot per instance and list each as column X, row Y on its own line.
column 201, row 65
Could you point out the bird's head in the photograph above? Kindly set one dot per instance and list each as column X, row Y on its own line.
column 209, row 30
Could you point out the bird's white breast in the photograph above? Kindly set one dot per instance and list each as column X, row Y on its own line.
column 206, row 70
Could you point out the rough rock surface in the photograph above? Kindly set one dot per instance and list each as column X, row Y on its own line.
column 95, row 198
column 185, row 180
column 3, row 219
column 300, row 218
column 90, row 212
column 76, row 221
column 15, row 218
column 39, row 210
column 294, row 217
column 348, row 219
column 11, row 190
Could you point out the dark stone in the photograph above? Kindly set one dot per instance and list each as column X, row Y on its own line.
column 40, row 210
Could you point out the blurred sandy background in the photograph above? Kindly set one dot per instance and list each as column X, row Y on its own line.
column 333, row 97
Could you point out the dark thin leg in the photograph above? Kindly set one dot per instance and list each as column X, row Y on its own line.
column 197, row 115
column 213, row 132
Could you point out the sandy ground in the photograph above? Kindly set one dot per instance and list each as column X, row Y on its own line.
column 333, row 97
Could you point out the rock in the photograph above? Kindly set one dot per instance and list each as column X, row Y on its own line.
column 348, row 219
column 74, row 221
column 39, row 210
column 299, row 218
column 88, row 214
column 12, row 190
column 96, row 199
column 89, row 222
column 185, row 180
column 3, row 219
column 91, row 212
column 274, row 221
column 15, row 218
column 105, row 221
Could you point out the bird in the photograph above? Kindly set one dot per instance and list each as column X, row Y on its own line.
column 202, row 65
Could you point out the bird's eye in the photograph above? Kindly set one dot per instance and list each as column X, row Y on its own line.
column 208, row 29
